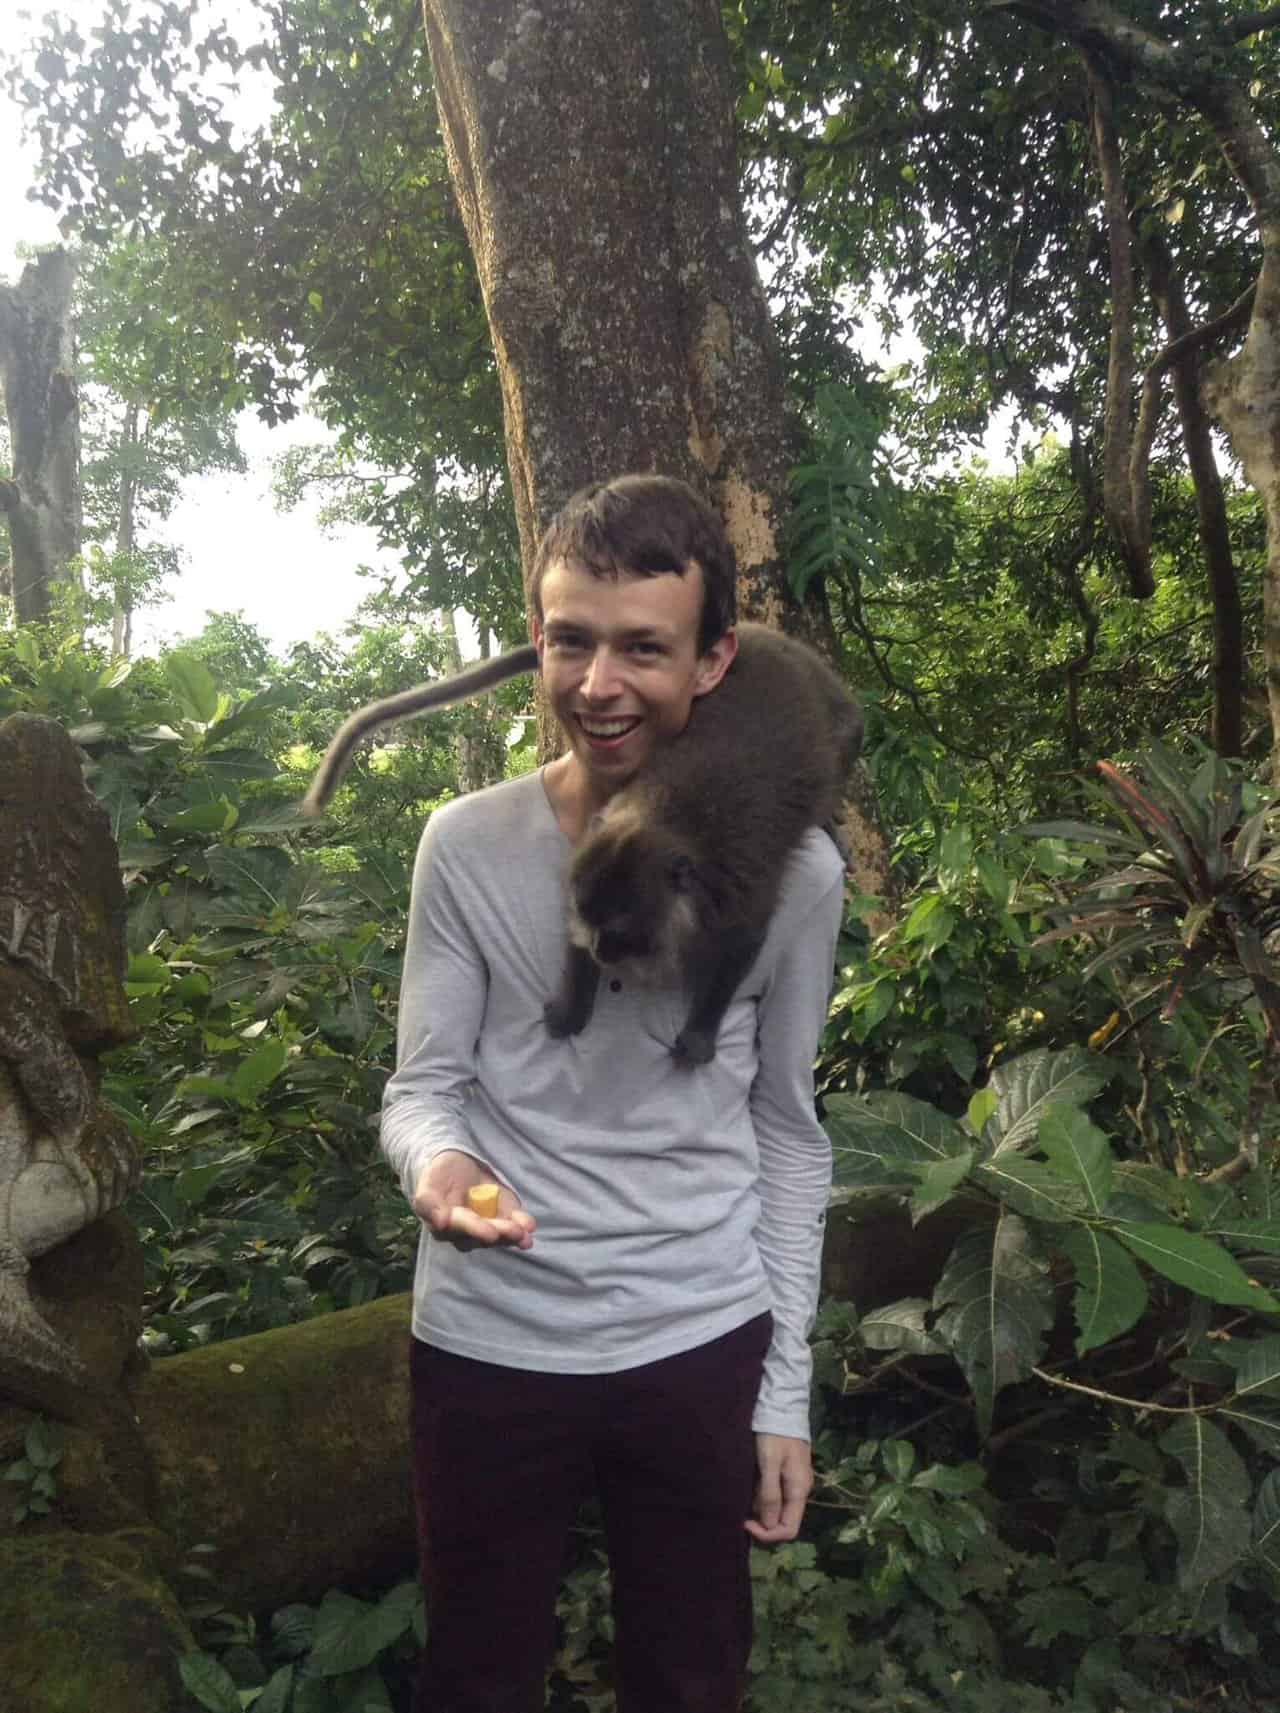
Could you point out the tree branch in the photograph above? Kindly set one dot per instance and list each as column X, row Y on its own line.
column 1249, row 24
column 1126, row 490
column 10, row 498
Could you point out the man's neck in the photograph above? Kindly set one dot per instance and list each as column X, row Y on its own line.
column 573, row 796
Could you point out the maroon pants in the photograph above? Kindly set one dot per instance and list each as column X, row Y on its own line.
column 502, row 1459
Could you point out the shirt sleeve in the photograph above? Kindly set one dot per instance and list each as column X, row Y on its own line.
column 795, row 1157
column 443, row 990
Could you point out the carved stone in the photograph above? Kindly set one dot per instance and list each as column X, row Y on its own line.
column 64, row 1160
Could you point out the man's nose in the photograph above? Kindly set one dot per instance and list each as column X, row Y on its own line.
column 602, row 679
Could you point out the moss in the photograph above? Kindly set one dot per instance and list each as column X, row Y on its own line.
column 289, row 1452
column 86, row 1623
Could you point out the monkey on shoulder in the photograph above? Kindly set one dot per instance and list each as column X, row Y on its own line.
column 678, row 878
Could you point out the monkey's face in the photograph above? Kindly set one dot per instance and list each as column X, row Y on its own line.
column 631, row 900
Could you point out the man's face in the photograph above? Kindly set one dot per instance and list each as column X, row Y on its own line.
column 620, row 664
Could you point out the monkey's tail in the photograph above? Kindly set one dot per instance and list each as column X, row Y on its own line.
column 484, row 675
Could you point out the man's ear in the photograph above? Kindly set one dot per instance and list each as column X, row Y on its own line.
column 713, row 665
column 537, row 636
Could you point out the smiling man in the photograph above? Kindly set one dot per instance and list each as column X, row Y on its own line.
column 632, row 1323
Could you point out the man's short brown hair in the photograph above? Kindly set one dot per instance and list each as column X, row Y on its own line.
column 643, row 526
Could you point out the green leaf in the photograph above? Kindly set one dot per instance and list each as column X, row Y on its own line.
column 995, row 1303
column 1266, row 1522
column 982, row 1106
column 276, row 1692
column 1261, row 1424
column 901, row 1326
column 351, row 1634
column 1110, row 1292
column 877, row 1138
column 218, row 816
column 938, row 1181
column 1031, row 1189
column 898, row 1457
column 211, row 1685
column 954, row 1479
column 1262, row 1236
column 1195, row 1262
column 1084, row 832
column 1077, row 1149
column 1208, row 1515
column 1029, row 1085
column 994, row 879
column 192, row 683
column 257, row 1073
column 1260, row 1370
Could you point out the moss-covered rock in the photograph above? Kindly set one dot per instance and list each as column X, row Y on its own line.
column 288, row 1452
column 85, row 1624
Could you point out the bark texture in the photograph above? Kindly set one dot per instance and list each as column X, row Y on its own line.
column 1211, row 505
column 592, row 151
column 37, row 369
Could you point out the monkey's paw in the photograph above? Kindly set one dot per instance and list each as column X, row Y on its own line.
column 695, row 1047
column 561, row 1020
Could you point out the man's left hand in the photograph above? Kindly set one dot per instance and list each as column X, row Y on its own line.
column 783, row 1483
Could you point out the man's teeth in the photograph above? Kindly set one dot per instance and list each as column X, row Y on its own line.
column 605, row 728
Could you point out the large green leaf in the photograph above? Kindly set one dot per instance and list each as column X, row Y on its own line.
column 1259, row 1373
column 275, row 1696
column 255, row 1075
column 1196, row 1262
column 901, row 1326
column 1110, row 1293
column 350, row 1634
column 1077, row 1149
column 1031, row 1189
column 1262, row 1236
column 877, row 1138
column 995, row 1303
column 1209, row 1515
column 192, row 683
column 939, row 1181
column 1266, row 1522
column 1260, row 1421
column 210, row 1683
column 258, row 873
column 1028, row 1086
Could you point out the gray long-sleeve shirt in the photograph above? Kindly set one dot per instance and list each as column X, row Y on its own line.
column 673, row 1204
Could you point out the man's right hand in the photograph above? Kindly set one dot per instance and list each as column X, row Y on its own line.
column 440, row 1202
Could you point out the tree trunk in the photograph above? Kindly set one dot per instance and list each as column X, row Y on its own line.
column 122, row 612
column 591, row 147
column 37, row 368
column 479, row 749
column 1211, row 506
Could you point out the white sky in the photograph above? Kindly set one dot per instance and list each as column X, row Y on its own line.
column 288, row 577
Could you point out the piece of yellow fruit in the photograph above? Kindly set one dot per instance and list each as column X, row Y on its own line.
column 483, row 1199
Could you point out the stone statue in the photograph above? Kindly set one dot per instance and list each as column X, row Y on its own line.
column 64, row 1160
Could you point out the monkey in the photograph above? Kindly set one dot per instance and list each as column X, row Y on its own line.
column 485, row 675
column 677, row 879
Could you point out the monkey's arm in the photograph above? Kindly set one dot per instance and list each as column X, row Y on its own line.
column 443, row 693
column 795, row 1154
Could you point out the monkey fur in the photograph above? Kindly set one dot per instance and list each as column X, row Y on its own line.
column 678, row 878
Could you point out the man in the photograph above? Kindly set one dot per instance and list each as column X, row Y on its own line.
column 641, row 1301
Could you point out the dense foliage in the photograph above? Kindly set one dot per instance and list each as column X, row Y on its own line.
column 1049, row 1378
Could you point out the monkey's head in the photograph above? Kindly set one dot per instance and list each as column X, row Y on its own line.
column 633, row 896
